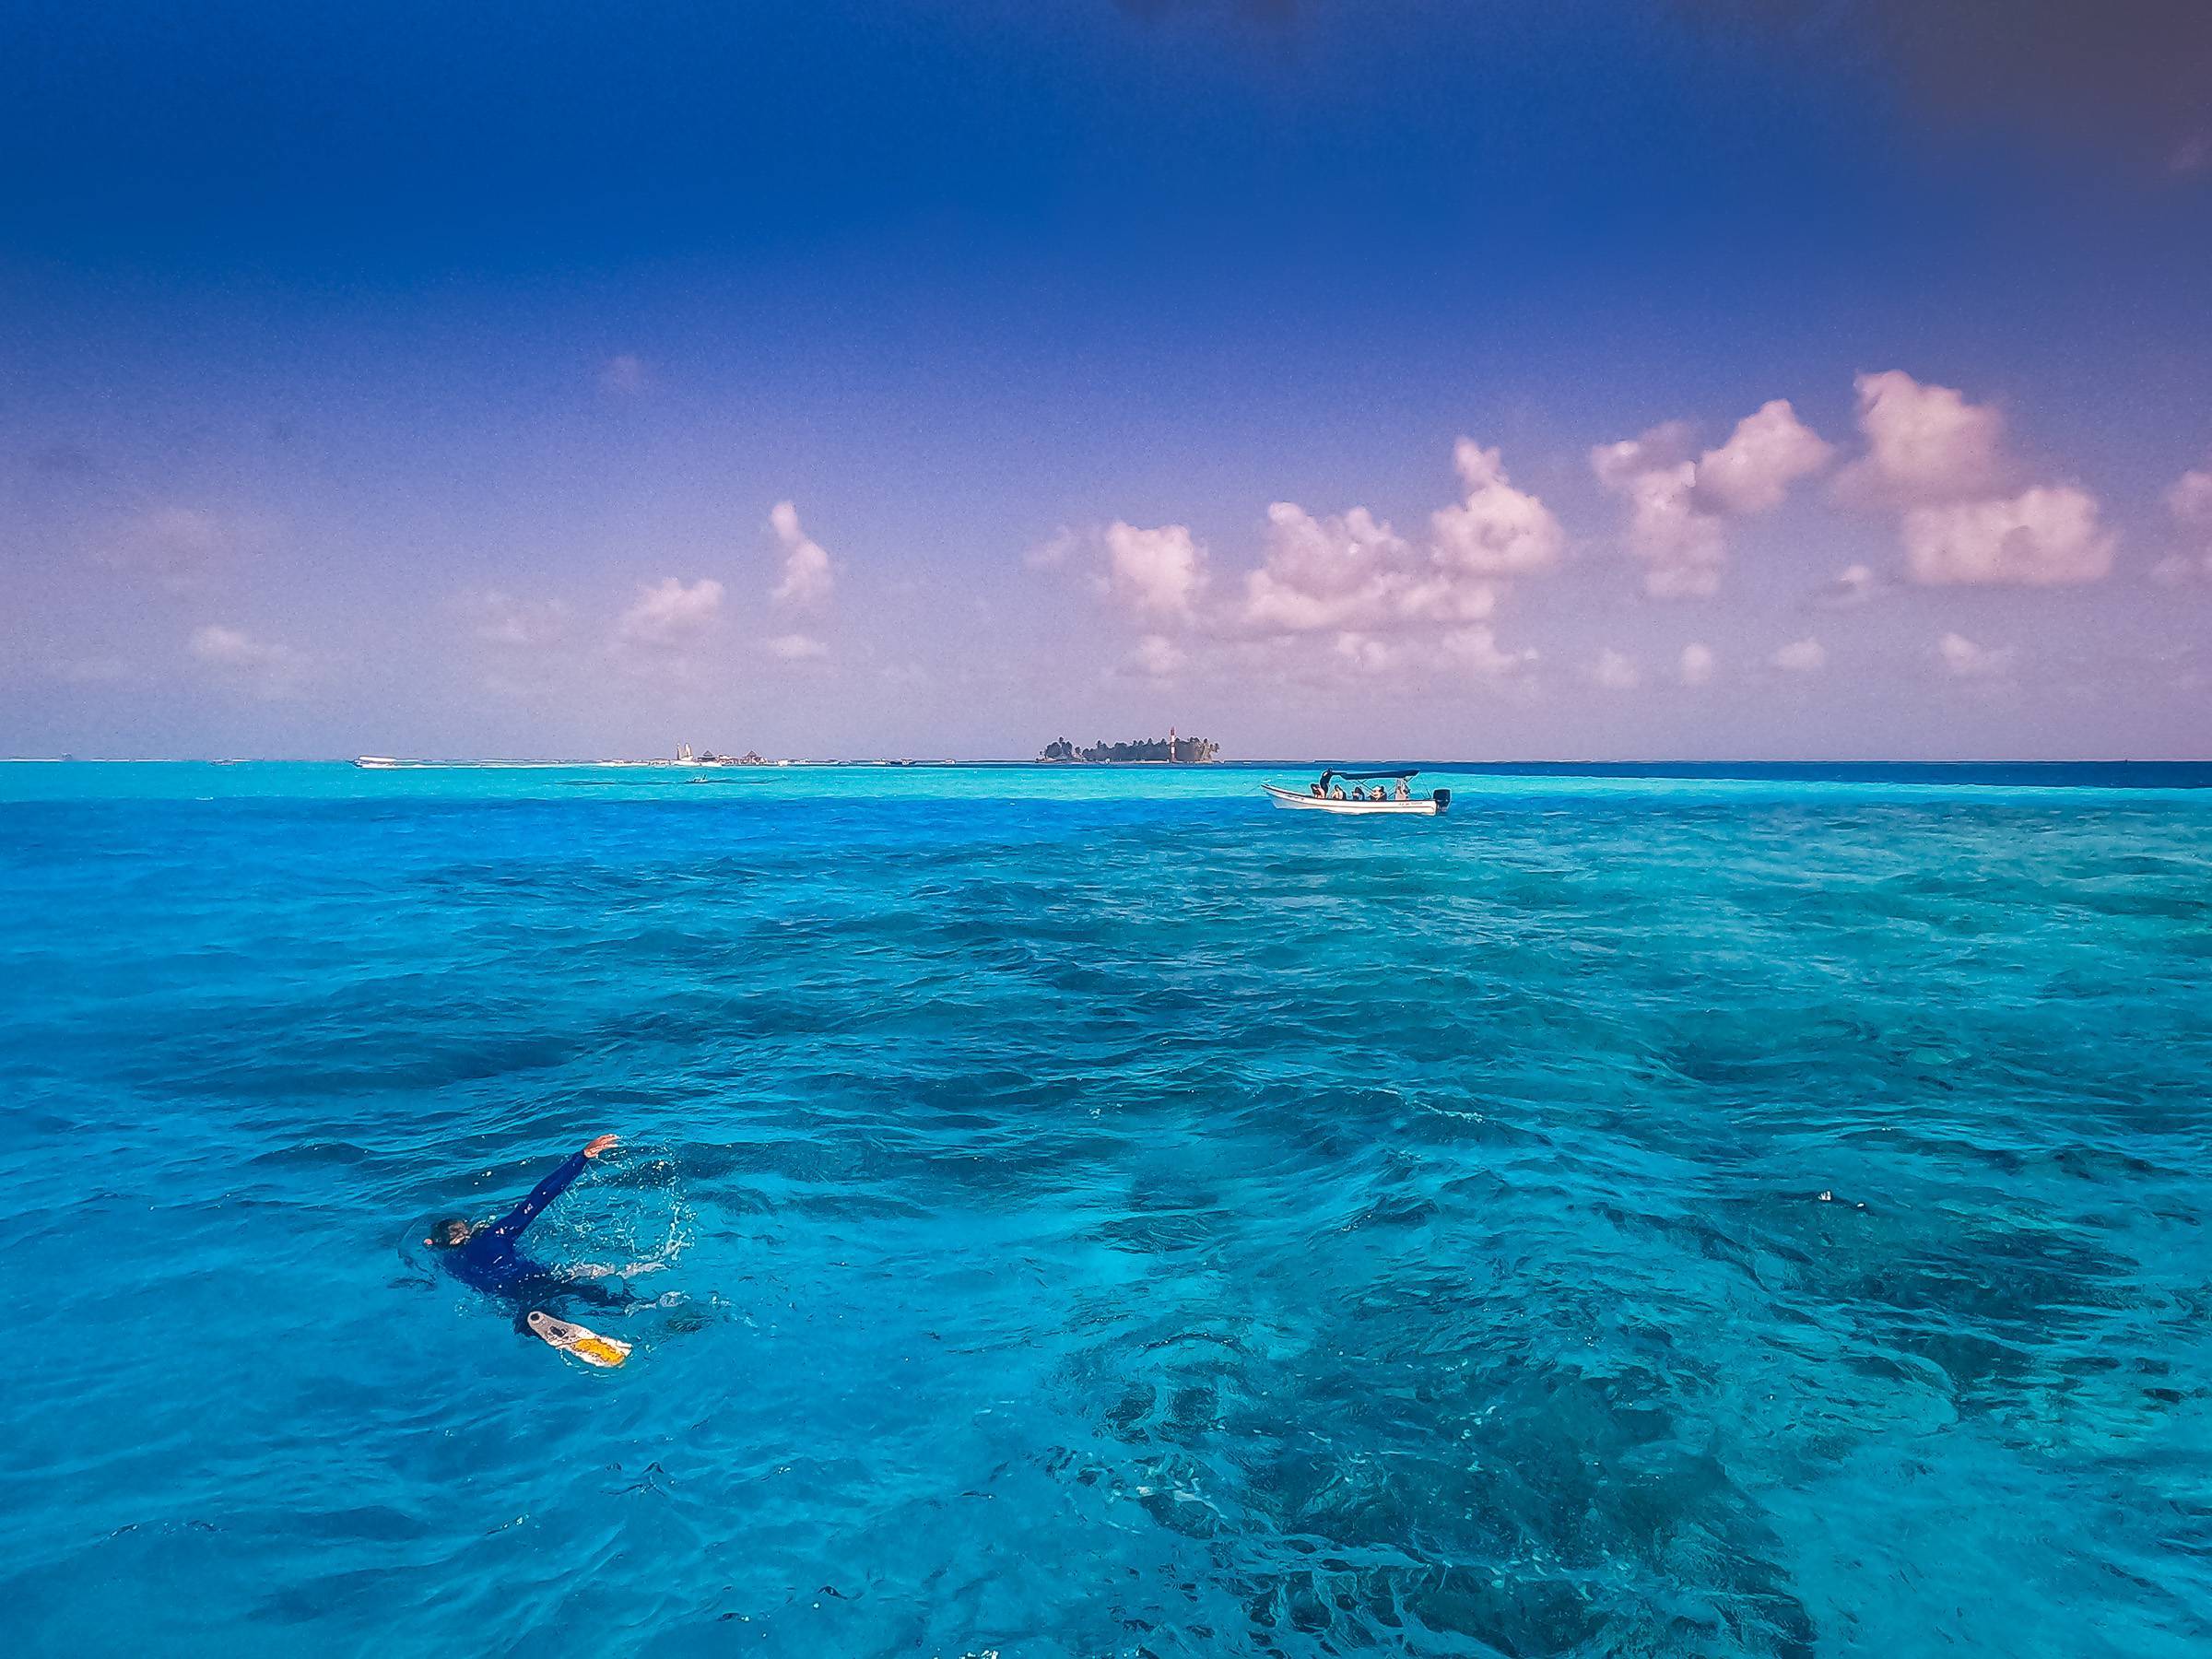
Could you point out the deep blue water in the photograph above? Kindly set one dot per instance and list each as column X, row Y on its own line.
column 1095, row 1213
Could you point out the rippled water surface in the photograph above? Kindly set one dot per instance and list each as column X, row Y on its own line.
column 1095, row 1213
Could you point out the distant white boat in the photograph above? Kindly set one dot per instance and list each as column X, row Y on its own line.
column 1323, row 798
column 378, row 763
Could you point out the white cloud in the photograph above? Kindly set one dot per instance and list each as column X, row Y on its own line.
column 1615, row 672
column 1942, row 461
column 1496, row 530
column 808, row 577
column 1679, row 507
column 668, row 614
column 795, row 647
column 1801, row 656
column 1353, row 572
column 1854, row 585
column 1052, row 552
column 1696, row 667
column 1156, row 656
column 1364, row 653
column 1159, row 572
column 1768, row 451
column 1682, row 548
column 1963, row 659
column 502, row 619
column 2190, row 497
column 624, row 375
column 262, row 666
column 2045, row 537
column 1477, row 651
column 1923, row 443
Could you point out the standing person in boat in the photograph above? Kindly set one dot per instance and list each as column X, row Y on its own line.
column 484, row 1258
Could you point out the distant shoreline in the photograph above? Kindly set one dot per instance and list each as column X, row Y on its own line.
column 2153, row 774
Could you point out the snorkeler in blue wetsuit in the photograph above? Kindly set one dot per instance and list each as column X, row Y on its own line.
column 486, row 1258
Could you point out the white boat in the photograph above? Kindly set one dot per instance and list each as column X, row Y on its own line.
column 1321, row 798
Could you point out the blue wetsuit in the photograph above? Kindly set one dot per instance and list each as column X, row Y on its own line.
column 489, row 1262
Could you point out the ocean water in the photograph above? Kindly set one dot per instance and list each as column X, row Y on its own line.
column 1089, row 1213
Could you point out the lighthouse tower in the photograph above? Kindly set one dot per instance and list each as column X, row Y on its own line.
column 1171, row 743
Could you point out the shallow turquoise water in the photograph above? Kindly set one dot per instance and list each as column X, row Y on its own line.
column 1099, row 1215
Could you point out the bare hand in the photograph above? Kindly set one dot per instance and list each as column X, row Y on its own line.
column 599, row 1146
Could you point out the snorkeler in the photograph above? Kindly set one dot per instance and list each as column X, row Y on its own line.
column 485, row 1257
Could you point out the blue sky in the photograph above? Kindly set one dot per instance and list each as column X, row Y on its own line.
column 424, row 380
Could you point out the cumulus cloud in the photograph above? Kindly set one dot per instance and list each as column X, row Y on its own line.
column 1854, row 585
column 1941, row 461
column 668, row 615
column 1348, row 571
column 1475, row 651
column 1052, row 552
column 1696, row 666
column 496, row 617
column 1923, row 443
column 795, row 647
column 1615, row 672
column 262, row 666
column 809, row 579
column 1962, row 659
column 2046, row 537
column 1156, row 572
column 1354, row 572
column 1679, row 505
column 1495, row 530
column 1801, row 656
column 1768, row 451
column 1156, row 656
column 1332, row 596
column 624, row 375
column 2189, row 498
column 1364, row 653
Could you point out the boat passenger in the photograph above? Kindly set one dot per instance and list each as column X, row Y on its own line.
column 1316, row 788
column 1339, row 792
column 1359, row 792
column 1404, row 794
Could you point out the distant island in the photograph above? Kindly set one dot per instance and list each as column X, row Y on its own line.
column 1181, row 750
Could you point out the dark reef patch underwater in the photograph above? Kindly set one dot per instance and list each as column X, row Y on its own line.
column 1092, row 1213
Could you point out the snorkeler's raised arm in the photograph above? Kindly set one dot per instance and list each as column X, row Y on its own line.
column 550, row 1188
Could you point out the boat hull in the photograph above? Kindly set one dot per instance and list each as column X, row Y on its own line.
column 1297, row 800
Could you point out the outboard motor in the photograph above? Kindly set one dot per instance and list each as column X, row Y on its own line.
column 1442, row 798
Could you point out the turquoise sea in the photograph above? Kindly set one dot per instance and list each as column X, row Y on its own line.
column 1089, row 1213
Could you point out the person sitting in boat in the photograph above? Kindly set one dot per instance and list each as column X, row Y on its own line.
column 1339, row 795
column 1358, row 793
column 1318, row 790
column 1404, row 794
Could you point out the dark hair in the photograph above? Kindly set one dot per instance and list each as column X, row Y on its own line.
column 442, row 1231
